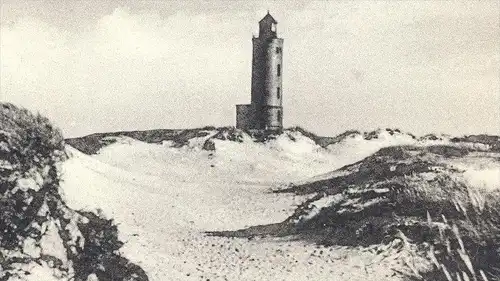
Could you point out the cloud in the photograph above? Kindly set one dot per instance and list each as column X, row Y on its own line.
column 126, row 72
column 422, row 66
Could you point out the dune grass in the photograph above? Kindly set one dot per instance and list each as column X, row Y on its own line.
column 30, row 202
column 414, row 194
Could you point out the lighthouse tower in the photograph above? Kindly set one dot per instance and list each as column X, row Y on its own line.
column 266, row 109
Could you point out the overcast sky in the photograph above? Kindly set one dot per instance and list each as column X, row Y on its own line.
column 94, row 66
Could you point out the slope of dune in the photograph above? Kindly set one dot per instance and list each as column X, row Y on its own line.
column 165, row 198
column 442, row 200
column 41, row 237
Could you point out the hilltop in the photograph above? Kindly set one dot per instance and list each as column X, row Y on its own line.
column 91, row 144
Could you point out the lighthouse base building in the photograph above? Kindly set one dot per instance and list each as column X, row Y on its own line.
column 265, row 112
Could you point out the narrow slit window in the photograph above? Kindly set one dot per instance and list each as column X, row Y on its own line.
column 279, row 70
column 280, row 117
column 278, row 91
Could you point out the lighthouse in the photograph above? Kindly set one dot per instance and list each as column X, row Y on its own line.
column 265, row 112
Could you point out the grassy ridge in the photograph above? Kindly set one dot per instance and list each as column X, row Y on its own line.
column 416, row 194
column 91, row 144
column 31, row 203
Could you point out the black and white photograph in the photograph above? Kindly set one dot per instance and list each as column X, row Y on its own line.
column 279, row 140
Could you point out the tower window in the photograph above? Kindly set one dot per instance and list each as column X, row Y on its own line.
column 280, row 117
column 278, row 91
column 278, row 50
column 279, row 70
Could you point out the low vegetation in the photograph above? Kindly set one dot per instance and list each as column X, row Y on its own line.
column 33, row 211
column 419, row 195
column 91, row 144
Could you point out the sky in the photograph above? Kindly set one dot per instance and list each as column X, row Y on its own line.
column 98, row 66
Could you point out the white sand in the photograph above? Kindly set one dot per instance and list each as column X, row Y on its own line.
column 164, row 199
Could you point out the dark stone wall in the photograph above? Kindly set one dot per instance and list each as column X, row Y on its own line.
column 258, row 70
column 245, row 116
column 273, row 117
column 267, row 58
column 273, row 81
